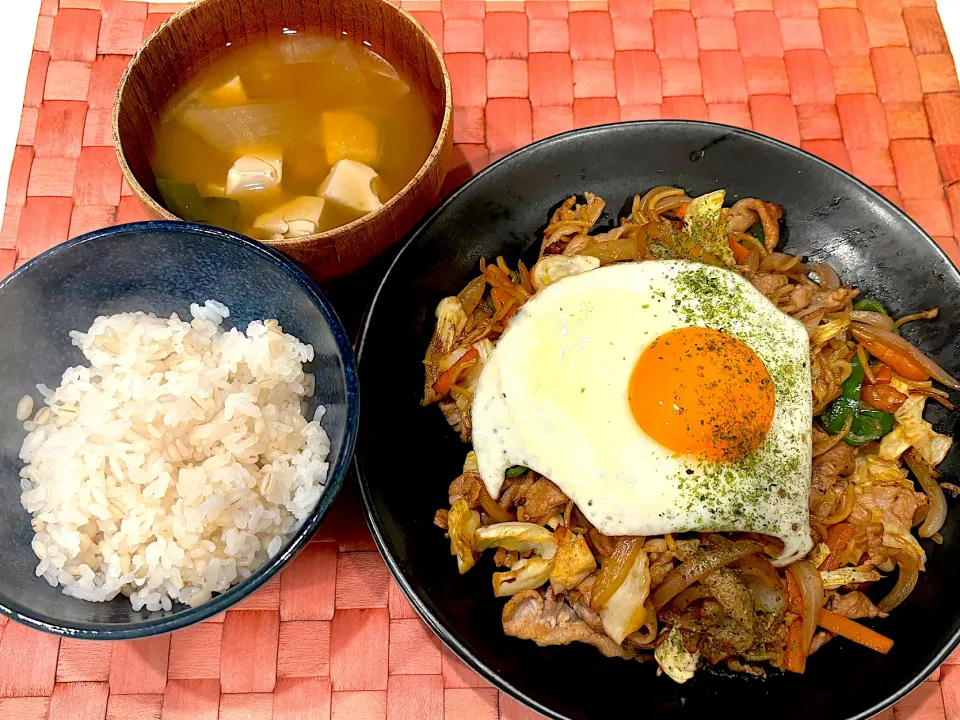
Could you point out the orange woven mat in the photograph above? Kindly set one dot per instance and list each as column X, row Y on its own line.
column 867, row 84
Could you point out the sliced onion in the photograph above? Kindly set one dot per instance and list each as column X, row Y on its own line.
column 551, row 268
column 909, row 565
column 872, row 318
column 767, row 599
column 822, row 446
column 646, row 636
column 766, row 587
column 826, row 276
column 866, row 333
column 812, row 322
column 695, row 592
column 760, row 567
column 925, row 315
column 661, row 197
column 615, row 570
column 934, row 394
column 938, row 501
column 811, row 591
column 670, row 202
column 818, row 307
column 781, row 262
column 865, row 365
column 493, row 509
column 699, row 566
column 843, row 512
column 751, row 242
column 470, row 296
column 603, row 544
column 629, row 247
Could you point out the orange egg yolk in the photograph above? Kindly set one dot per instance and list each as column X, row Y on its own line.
column 703, row 393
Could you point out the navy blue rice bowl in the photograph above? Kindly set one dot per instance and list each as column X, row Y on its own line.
column 158, row 267
column 828, row 216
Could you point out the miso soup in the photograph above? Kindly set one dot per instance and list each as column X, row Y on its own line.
column 291, row 136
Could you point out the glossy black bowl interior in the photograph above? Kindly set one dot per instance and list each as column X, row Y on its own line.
column 159, row 267
column 407, row 455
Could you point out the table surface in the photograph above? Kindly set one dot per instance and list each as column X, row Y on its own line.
column 869, row 85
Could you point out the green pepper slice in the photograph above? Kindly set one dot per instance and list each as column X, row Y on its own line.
column 869, row 304
column 835, row 416
column 850, row 388
column 866, row 423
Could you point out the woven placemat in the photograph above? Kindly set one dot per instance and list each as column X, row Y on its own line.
column 866, row 84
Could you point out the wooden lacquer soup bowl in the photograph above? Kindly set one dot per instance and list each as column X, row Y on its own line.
column 206, row 30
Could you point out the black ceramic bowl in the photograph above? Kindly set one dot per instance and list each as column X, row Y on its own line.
column 828, row 216
column 160, row 267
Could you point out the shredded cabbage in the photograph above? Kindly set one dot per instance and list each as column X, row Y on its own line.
column 624, row 612
column 527, row 574
column 819, row 554
column 462, row 524
column 874, row 470
column 834, row 579
column 704, row 222
column 470, row 463
column 520, row 536
column 913, row 431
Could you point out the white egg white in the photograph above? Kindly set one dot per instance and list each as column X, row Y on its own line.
column 553, row 397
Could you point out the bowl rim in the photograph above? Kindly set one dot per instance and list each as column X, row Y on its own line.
column 447, row 635
column 433, row 157
column 335, row 478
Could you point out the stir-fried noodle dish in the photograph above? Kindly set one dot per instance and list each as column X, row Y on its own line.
column 684, row 445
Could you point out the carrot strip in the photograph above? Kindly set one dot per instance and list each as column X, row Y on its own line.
column 882, row 375
column 838, row 536
column 499, row 297
column 740, row 253
column 794, row 659
column 845, row 627
column 497, row 278
column 505, row 310
column 794, row 595
column 899, row 363
column 447, row 378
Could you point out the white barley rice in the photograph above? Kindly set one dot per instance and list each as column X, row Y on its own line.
column 176, row 463
column 24, row 408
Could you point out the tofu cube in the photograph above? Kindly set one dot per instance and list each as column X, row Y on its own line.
column 351, row 184
column 254, row 173
column 298, row 218
column 348, row 135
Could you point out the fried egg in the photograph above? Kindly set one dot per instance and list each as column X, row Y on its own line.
column 661, row 397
